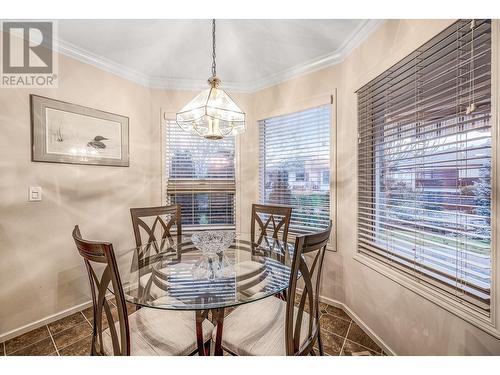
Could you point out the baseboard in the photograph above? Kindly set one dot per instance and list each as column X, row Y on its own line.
column 360, row 323
column 39, row 323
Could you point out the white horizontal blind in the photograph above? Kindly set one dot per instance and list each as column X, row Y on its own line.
column 295, row 166
column 424, row 164
column 200, row 177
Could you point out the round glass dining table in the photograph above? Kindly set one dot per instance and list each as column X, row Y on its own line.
column 173, row 274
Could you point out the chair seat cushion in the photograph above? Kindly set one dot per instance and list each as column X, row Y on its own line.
column 160, row 332
column 258, row 328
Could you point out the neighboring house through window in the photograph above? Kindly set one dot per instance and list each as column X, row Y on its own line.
column 295, row 165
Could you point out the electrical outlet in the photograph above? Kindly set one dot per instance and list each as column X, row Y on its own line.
column 35, row 194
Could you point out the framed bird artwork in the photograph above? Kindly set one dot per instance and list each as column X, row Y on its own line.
column 69, row 133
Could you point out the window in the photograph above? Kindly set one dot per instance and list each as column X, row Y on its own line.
column 424, row 165
column 295, row 165
column 300, row 175
column 200, row 177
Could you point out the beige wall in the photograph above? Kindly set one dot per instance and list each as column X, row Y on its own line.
column 406, row 322
column 40, row 272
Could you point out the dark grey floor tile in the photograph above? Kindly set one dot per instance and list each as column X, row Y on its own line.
column 332, row 343
column 297, row 301
column 334, row 324
column 43, row 347
column 352, row 349
column 335, row 311
column 323, row 307
column 88, row 312
column 79, row 348
column 66, row 322
column 357, row 335
column 72, row 335
column 26, row 339
column 131, row 308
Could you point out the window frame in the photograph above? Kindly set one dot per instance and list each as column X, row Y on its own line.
column 491, row 324
column 317, row 101
column 166, row 117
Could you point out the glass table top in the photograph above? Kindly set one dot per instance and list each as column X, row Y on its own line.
column 176, row 275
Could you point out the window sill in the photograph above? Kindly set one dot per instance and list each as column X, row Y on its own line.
column 467, row 314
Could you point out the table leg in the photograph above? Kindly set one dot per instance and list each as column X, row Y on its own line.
column 218, row 315
column 200, row 317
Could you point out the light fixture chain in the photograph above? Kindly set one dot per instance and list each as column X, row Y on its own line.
column 221, row 118
column 214, row 67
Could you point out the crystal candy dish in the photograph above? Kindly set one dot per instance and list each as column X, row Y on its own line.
column 213, row 242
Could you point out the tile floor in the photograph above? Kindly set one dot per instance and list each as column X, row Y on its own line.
column 72, row 336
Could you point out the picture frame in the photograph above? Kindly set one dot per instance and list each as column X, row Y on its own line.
column 69, row 133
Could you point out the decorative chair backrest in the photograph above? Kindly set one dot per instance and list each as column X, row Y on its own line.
column 102, row 253
column 271, row 221
column 308, row 261
column 153, row 227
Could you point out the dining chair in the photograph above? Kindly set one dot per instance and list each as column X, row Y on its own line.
column 154, row 232
column 158, row 230
column 155, row 227
column 145, row 331
column 271, row 218
column 275, row 327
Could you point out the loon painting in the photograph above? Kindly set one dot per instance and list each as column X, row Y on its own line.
column 70, row 133
column 97, row 142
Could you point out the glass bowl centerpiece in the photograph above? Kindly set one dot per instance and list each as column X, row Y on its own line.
column 211, row 243
column 213, row 263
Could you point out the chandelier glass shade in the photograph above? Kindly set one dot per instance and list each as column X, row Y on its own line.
column 212, row 113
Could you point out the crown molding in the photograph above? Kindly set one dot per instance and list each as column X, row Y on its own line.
column 329, row 59
column 167, row 83
column 110, row 66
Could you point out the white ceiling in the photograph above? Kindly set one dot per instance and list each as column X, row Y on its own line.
column 176, row 54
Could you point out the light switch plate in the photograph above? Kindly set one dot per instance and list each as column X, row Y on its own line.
column 35, row 194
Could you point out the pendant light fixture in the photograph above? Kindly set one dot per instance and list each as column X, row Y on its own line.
column 212, row 113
